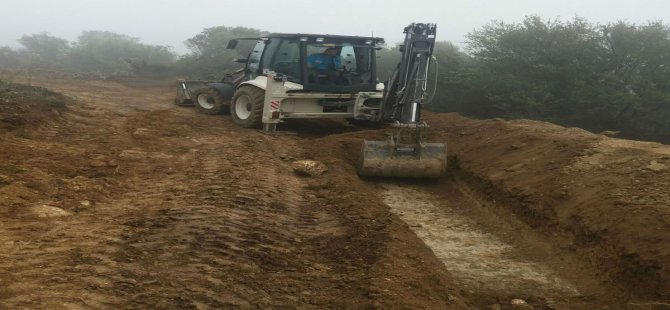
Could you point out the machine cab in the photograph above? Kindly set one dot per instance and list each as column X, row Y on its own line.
column 342, row 64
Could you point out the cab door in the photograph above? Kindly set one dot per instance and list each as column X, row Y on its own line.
column 253, row 67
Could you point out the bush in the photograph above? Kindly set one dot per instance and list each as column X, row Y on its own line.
column 209, row 57
column 115, row 54
column 611, row 77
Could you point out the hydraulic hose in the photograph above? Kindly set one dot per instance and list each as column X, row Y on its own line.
column 432, row 95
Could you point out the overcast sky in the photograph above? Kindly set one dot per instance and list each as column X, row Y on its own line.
column 170, row 22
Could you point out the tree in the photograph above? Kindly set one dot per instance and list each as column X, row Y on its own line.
column 9, row 58
column 539, row 65
column 639, row 72
column 611, row 77
column 209, row 57
column 387, row 62
column 49, row 50
column 454, row 70
column 112, row 53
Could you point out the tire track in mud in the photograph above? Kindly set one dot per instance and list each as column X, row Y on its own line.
column 232, row 230
column 208, row 236
column 209, row 218
column 234, row 242
column 205, row 229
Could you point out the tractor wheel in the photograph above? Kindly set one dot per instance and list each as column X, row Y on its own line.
column 246, row 109
column 209, row 101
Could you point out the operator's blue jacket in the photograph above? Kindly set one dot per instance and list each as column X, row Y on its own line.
column 324, row 62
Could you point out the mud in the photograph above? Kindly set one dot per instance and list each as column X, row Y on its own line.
column 116, row 198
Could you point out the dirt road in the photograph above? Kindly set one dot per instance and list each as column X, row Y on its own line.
column 114, row 198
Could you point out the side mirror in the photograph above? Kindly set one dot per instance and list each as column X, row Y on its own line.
column 232, row 44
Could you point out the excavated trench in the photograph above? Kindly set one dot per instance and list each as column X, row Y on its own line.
column 479, row 260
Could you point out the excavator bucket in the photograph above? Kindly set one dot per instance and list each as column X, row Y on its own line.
column 383, row 159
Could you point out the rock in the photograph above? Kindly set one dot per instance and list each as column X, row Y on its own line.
column 516, row 146
column 656, row 166
column 520, row 304
column 515, row 167
column 495, row 307
column 85, row 203
column 610, row 133
column 285, row 157
column 518, row 301
column 132, row 155
column 113, row 163
column 142, row 133
column 310, row 168
column 97, row 163
column 98, row 157
column 159, row 156
column 45, row 211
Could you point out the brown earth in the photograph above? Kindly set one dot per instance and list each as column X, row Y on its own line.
column 111, row 197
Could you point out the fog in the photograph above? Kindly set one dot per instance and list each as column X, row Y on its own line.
column 170, row 22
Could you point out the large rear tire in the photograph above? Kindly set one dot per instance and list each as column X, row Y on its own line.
column 246, row 108
column 208, row 100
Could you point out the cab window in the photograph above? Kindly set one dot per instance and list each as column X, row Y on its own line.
column 286, row 60
column 253, row 64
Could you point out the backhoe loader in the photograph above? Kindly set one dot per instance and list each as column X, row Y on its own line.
column 329, row 76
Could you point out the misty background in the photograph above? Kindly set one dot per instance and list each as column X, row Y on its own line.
column 600, row 65
column 170, row 22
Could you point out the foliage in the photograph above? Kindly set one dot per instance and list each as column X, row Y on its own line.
column 387, row 62
column 209, row 57
column 45, row 50
column 102, row 53
column 112, row 53
column 611, row 77
column 9, row 58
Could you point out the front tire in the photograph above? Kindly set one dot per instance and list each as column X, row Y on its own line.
column 208, row 100
column 246, row 108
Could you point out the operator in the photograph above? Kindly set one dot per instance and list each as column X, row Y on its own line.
column 326, row 63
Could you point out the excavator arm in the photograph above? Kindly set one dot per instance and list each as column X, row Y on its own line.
column 405, row 154
column 406, row 90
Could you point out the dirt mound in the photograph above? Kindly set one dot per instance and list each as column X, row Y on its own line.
column 606, row 199
column 24, row 106
column 42, row 159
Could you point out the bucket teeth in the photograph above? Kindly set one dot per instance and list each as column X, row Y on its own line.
column 381, row 159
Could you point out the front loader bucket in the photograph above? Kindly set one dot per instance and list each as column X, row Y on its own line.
column 380, row 159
